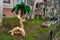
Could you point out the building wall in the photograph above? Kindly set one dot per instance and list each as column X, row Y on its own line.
column 13, row 3
column 39, row 0
column 9, row 5
column 7, row 12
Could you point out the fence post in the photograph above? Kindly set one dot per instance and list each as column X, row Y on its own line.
column 50, row 36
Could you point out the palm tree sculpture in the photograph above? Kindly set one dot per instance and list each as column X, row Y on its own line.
column 23, row 8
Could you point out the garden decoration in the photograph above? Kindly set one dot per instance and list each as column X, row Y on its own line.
column 17, row 30
column 23, row 9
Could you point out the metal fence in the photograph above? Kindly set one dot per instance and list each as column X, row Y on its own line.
column 50, row 35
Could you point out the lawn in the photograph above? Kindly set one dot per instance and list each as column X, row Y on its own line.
column 32, row 27
column 57, row 36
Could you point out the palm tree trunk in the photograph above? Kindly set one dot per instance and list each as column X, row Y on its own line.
column 21, row 19
column 21, row 23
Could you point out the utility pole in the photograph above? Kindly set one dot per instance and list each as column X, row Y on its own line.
column 1, row 11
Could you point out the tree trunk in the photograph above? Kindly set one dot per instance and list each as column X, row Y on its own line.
column 21, row 19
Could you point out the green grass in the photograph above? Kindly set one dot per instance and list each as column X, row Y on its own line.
column 32, row 27
column 5, row 36
column 58, row 36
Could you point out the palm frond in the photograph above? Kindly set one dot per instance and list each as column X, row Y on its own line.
column 25, row 8
column 22, row 4
column 13, row 9
column 18, row 5
column 29, row 10
column 17, row 9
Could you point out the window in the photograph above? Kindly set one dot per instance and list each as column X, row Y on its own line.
column 37, row 5
column 6, row 1
column 45, row 0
